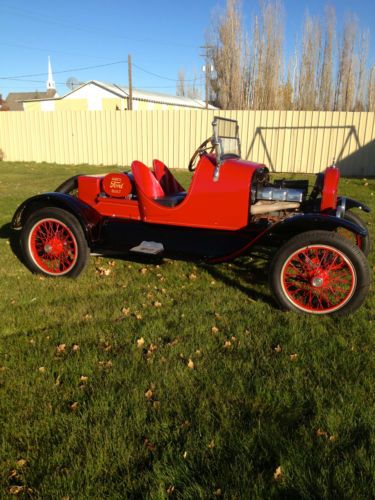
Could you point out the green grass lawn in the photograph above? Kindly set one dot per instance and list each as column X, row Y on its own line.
column 176, row 379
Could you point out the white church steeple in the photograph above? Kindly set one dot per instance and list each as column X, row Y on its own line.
column 50, row 82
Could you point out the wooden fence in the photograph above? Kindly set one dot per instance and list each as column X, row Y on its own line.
column 286, row 141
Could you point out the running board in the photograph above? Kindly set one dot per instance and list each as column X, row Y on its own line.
column 149, row 248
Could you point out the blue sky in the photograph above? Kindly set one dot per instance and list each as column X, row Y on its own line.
column 162, row 36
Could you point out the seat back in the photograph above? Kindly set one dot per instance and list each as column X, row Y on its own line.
column 145, row 180
column 167, row 181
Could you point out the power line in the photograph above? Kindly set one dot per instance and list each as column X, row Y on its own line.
column 64, row 71
column 164, row 77
column 22, row 77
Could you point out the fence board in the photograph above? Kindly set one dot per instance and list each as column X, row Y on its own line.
column 286, row 141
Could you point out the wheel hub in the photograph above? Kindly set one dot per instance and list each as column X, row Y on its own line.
column 317, row 282
column 54, row 247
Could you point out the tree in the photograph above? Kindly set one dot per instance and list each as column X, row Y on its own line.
column 326, row 89
column 360, row 102
column 371, row 91
column 310, row 63
column 180, row 87
column 226, row 55
column 266, row 56
column 345, row 84
column 187, row 90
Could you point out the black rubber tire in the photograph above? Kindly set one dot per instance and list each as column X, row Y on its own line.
column 365, row 241
column 73, row 225
column 351, row 251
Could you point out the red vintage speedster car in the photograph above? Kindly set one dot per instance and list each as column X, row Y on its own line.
column 319, row 265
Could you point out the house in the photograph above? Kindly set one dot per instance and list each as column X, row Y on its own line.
column 15, row 100
column 99, row 96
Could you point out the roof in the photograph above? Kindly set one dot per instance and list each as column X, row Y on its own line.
column 141, row 95
column 14, row 100
column 144, row 95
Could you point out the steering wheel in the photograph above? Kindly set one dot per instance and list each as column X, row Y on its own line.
column 203, row 149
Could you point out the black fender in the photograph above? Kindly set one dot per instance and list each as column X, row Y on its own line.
column 350, row 203
column 88, row 217
column 301, row 223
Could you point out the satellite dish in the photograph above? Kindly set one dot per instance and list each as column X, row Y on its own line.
column 72, row 83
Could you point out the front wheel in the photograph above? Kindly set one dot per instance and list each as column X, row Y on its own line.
column 53, row 243
column 318, row 272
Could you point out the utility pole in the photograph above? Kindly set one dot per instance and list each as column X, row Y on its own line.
column 130, row 99
column 207, row 69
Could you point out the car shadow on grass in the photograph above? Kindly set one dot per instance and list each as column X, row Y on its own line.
column 7, row 233
column 247, row 274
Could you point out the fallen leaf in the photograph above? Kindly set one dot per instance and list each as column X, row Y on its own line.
column 217, row 492
column 103, row 271
column 293, row 356
column 140, row 342
column 75, row 348
column 125, row 311
column 278, row 348
column 12, row 474
column 333, row 437
column 278, row 474
column 143, row 270
column 61, row 348
column 211, row 445
column 73, row 406
column 16, row 490
column 152, row 347
column 83, row 378
column 149, row 395
column 190, row 364
column 157, row 304
column 321, row 433
column 214, row 329
column 112, row 263
column 227, row 344
column 87, row 316
column 170, row 489
column 138, row 316
column 21, row 462
column 41, row 369
column 192, row 276
column 185, row 454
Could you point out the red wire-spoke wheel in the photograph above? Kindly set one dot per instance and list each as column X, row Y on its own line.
column 318, row 279
column 53, row 243
column 318, row 272
column 53, row 246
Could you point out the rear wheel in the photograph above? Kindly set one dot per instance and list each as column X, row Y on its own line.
column 318, row 272
column 53, row 243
